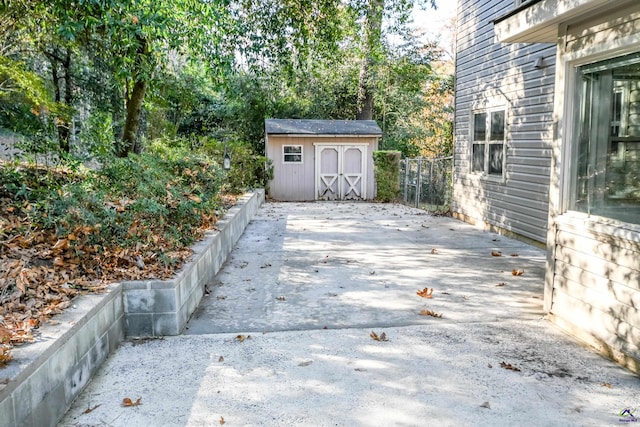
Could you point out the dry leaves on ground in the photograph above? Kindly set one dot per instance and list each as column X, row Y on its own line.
column 509, row 367
column 425, row 293
column 496, row 253
column 430, row 313
column 376, row 337
column 41, row 273
column 517, row 272
column 127, row 402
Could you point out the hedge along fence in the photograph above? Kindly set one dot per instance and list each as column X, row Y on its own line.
column 387, row 171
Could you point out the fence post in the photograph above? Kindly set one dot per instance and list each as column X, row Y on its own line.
column 419, row 182
column 406, row 178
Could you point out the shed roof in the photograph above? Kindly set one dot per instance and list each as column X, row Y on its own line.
column 321, row 127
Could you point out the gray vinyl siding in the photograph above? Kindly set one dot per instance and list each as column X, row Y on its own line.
column 506, row 74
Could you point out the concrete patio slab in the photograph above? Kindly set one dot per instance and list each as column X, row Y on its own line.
column 283, row 336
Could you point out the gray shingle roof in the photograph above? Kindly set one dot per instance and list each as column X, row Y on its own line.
column 321, row 127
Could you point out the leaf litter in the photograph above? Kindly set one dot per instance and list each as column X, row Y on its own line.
column 41, row 273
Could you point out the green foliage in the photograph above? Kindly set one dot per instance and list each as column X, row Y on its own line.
column 387, row 171
column 164, row 194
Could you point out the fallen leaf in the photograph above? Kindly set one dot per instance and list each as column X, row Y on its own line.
column 430, row 313
column 375, row 337
column 496, row 253
column 221, row 359
column 195, row 198
column 509, row 367
column 607, row 385
column 89, row 410
column 489, row 366
column 241, row 338
column 222, row 421
column 221, row 297
column 516, row 272
column 501, row 284
column 486, row 405
column 281, row 298
column 514, row 255
column 126, row 402
column 425, row 293
column 434, row 251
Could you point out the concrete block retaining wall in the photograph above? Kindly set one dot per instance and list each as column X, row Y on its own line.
column 46, row 376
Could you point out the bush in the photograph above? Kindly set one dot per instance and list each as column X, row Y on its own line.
column 387, row 170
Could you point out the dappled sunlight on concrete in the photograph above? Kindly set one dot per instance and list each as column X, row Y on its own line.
column 323, row 292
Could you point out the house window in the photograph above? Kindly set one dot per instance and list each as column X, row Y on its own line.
column 606, row 142
column 487, row 150
column 292, row 153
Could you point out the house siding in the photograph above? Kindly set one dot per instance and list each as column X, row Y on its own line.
column 491, row 74
column 596, row 288
column 593, row 272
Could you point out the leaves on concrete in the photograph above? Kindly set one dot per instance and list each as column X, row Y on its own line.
column 501, row 284
column 430, row 313
column 222, row 421
column 281, row 298
column 242, row 338
column 509, row 366
column 93, row 408
column 517, row 272
column 434, row 251
column 376, row 337
column 425, row 293
column 496, row 253
column 127, row 402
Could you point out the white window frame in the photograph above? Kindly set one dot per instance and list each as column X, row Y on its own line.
column 285, row 154
column 487, row 142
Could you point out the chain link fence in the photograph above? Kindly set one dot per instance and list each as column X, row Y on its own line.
column 427, row 183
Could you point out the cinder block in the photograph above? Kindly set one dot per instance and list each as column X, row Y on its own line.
column 52, row 407
column 165, row 324
column 78, row 379
column 115, row 334
column 138, row 301
column 61, row 362
column 22, row 402
column 8, row 418
column 139, row 325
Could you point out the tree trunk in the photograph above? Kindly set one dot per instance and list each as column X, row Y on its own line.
column 62, row 121
column 134, row 102
column 371, row 52
column 132, row 122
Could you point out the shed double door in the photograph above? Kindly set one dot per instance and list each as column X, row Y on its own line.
column 341, row 171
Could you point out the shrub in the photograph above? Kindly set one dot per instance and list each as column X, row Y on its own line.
column 387, row 171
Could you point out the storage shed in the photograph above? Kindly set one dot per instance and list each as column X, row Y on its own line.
column 321, row 159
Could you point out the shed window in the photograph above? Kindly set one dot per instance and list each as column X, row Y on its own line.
column 487, row 151
column 292, row 154
column 606, row 142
